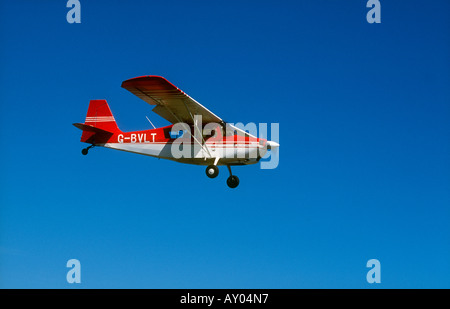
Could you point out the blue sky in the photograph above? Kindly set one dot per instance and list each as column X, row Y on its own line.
column 364, row 169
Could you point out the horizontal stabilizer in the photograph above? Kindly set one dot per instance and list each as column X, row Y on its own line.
column 89, row 128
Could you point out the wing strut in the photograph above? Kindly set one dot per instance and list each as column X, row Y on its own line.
column 203, row 146
column 196, row 128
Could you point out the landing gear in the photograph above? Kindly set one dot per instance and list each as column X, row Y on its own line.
column 212, row 171
column 233, row 180
column 85, row 151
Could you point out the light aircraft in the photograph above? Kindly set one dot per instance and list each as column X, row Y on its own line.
column 185, row 141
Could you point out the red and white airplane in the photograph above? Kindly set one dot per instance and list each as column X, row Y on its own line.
column 187, row 140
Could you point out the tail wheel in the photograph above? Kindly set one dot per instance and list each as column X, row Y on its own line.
column 212, row 171
column 85, row 151
column 233, row 181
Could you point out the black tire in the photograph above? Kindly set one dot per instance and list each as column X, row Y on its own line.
column 212, row 171
column 233, row 181
column 84, row 151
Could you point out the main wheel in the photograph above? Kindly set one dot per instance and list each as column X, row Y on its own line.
column 233, row 181
column 212, row 171
column 84, row 151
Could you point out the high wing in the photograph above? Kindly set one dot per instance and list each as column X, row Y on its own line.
column 171, row 102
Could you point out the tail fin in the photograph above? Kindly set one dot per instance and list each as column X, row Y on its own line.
column 99, row 116
column 99, row 125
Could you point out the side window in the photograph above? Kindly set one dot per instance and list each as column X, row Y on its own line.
column 176, row 134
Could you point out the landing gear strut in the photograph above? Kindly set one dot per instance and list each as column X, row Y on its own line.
column 85, row 151
column 233, row 180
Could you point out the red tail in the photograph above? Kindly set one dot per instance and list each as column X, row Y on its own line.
column 99, row 116
column 99, row 124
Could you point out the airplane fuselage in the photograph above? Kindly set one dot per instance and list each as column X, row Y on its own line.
column 160, row 143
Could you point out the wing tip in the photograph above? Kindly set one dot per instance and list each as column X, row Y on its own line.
column 145, row 78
